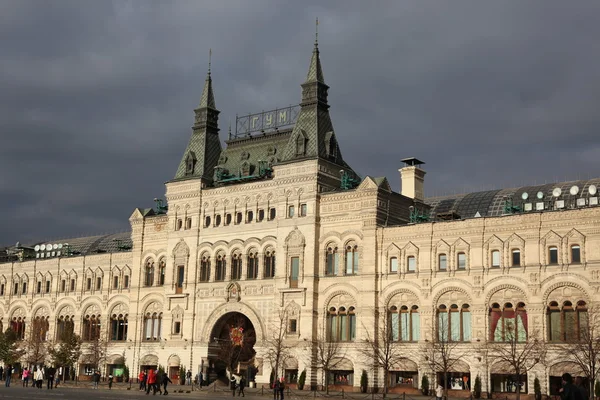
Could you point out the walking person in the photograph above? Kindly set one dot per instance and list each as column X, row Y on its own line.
column 232, row 384
column 26, row 377
column 241, row 386
column 439, row 392
column 281, row 388
column 38, row 377
column 110, row 381
column 165, row 382
column 8, row 373
column 95, row 379
column 142, row 380
column 50, row 376
column 569, row 391
column 276, row 389
column 151, row 381
column 188, row 377
column 1, row 373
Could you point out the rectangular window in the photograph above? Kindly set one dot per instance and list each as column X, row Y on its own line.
column 24, row 287
column 461, row 261
column 411, row 262
column 394, row 264
column 332, row 263
column 553, row 255
column 249, row 216
column 294, row 271
column 188, row 223
column 2, row 290
column 39, row 287
column 115, row 282
column 177, row 328
column 47, row 286
column 98, row 283
column 126, row 281
column 272, row 213
column 443, row 262
column 89, row 284
column 72, row 285
column 228, row 219
column 238, row 217
column 16, row 289
column 63, row 285
column 261, row 215
column 293, row 326
column 395, row 322
column 291, row 211
column 495, row 259
column 180, row 279
column 303, row 210
column 575, row 254
column 516, row 258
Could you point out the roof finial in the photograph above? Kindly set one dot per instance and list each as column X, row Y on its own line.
column 317, row 32
column 229, row 128
column 209, row 59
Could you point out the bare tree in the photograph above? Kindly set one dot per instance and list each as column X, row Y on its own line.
column 518, row 353
column 36, row 346
column 441, row 353
column 66, row 351
column 328, row 356
column 279, row 350
column 585, row 349
column 382, row 351
column 96, row 349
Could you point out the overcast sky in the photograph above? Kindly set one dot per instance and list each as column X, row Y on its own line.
column 97, row 97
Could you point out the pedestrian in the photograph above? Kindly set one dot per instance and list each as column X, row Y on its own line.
column 568, row 390
column 583, row 390
column 439, row 392
column 281, row 388
column 50, row 376
column 142, row 380
column 232, row 384
column 276, row 389
column 25, row 377
column 165, row 382
column 8, row 375
column 38, row 377
column 151, row 382
column 188, row 377
column 95, row 379
column 241, row 386
column 110, row 381
column 1, row 373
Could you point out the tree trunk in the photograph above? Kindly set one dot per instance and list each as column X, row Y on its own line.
column 385, row 382
column 519, row 387
column 326, row 381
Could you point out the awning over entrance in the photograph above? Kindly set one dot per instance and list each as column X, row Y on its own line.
column 174, row 361
column 342, row 364
column 149, row 359
column 565, row 366
column 405, row 365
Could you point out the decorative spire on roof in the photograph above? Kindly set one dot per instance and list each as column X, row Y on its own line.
column 208, row 98
column 315, row 72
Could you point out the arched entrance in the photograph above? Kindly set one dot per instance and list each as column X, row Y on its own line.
column 231, row 346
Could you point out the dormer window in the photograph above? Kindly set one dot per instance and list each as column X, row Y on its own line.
column 190, row 163
column 301, row 144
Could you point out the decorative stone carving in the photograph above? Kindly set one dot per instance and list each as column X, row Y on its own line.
column 154, row 307
column 66, row 311
column 120, row 309
column 42, row 312
column 233, row 292
column 92, row 309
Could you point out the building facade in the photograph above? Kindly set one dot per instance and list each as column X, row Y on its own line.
column 276, row 229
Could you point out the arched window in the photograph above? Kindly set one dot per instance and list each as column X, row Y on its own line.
column 568, row 323
column 332, row 260
column 221, row 267
column 454, row 323
column 91, row 327
column 118, row 327
column 405, row 323
column 205, row 268
column 341, row 324
column 300, row 145
column 162, row 269
column 236, row 267
column 40, row 326
column 18, row 326
column 351, row 259
column 252, row 272
column 149, row 273
column 152, row 326
column 508, row 323
column 269, row 264
column 64, row 327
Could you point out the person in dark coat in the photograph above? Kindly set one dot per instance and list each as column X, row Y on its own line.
column 165, row 381
column 232, row 385
column 276, row 389
column 241, row 387
column 569, row 391
column 50, row 376
column 582, row 388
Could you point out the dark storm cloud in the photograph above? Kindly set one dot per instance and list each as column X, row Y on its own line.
column 96, row 97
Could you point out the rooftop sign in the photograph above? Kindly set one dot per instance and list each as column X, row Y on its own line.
column 266, row 121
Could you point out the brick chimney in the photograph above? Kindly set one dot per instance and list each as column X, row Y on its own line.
column 412, row 177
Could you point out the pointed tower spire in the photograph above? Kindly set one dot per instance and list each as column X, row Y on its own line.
column 204, row 148
column 208, row 98
column 315, row 72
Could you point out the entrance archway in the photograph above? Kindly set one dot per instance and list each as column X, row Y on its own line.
column 231, row 345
